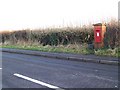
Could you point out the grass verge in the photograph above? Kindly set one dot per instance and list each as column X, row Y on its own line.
column 74, row 49
column 61, row 49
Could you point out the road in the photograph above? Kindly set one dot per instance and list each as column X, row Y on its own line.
column 26, row 71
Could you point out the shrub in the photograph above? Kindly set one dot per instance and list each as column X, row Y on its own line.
column 112, row 34
column 64, row 36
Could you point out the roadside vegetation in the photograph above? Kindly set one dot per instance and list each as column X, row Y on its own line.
column 66, row 39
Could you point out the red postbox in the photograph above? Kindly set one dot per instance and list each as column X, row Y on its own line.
column 99, row 31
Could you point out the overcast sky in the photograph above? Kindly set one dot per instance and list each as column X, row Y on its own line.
column 21, row 14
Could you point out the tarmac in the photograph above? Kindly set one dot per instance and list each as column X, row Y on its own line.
column 65, row 56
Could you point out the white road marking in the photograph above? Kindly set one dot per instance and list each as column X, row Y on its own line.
column 36, row 81
column 0, row 68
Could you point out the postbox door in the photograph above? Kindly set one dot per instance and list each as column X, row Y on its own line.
column 97, row 36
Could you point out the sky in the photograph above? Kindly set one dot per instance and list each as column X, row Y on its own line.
column 22, row 14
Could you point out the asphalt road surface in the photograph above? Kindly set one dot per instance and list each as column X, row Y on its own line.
column 26, row 71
